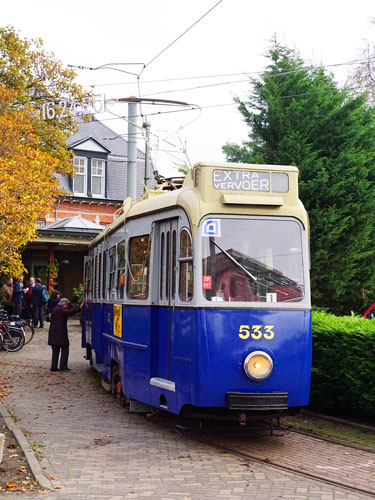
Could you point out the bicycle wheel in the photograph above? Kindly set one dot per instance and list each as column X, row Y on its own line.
column 14, row 341
column 28, row 331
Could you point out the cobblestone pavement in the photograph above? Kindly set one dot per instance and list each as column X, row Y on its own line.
column 95, row 450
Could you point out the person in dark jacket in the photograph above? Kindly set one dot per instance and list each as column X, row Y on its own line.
column 28, row 311
column 18, row 296
column 58, row 334
column 54, row 300
column 37, row 303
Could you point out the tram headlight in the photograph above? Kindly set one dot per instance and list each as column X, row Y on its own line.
column 258, row 365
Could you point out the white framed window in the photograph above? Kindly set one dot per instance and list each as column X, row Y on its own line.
column 97, row 177
column 80, row 176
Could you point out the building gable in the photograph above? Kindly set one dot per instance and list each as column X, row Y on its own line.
column 90, row 144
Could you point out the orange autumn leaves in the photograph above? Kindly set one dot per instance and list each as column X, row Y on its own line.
column 28, row 186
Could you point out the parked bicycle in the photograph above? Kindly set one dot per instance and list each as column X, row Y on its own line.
column 17, row 322
column 12, row 338
column 28, row 330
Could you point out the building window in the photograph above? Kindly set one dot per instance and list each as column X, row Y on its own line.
column 97, row 177
column 80, row 177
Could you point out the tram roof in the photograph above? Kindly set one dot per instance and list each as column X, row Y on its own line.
column 222, row 188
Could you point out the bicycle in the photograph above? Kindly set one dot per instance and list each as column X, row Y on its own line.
column 12, row 339
column 28, row 330
column 17, row 322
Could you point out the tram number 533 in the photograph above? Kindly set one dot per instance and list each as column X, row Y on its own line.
column 256, row 332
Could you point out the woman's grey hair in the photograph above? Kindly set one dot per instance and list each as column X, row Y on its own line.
column 64, row 301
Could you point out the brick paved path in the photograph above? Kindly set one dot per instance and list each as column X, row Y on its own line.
column 99, row 451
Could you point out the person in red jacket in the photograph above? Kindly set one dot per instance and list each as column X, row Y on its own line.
column 58, row 334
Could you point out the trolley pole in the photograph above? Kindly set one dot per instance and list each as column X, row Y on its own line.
column 146, row 126
column 132, row 138
column 132, row 151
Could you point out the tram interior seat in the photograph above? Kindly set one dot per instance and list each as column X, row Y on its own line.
column 234, row 286
column 290, row 293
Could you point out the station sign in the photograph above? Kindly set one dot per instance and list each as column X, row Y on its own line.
column 64, row 108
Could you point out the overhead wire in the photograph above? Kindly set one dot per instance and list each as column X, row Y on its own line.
column 275, row 74
column 178, row 38
column 357, row 89
column 234, row 103
column 139, row 127
column 153, row 60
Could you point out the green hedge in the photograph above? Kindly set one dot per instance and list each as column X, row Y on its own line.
column 343, row 366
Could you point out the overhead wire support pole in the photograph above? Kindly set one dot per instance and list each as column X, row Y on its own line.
column 132, row 150
column 132, row 138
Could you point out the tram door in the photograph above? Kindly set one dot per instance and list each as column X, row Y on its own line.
column 168, row 234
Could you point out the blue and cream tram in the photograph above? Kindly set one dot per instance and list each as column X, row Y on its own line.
column 198, row 295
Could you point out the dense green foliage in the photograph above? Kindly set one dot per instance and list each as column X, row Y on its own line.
column 298, row 116
column 343, row 370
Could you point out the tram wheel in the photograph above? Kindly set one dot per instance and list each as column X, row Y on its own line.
column 89, row 354
column 117, row 388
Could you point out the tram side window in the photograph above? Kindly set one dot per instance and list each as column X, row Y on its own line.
column 186, row 266
column 100, row 274
column 96, row 277
column 162, row 250
column 89, row 279
column 120, row 269
column 104, row 277
column 139, row 267
column 86, row 280
column 112, row 268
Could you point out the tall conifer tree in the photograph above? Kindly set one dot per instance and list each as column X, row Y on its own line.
column 298, row 116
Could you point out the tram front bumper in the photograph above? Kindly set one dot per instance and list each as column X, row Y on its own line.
column 256, row 401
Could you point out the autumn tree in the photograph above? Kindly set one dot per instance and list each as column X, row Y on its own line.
column 27, row 183
column 299, row 116
column 32, row 149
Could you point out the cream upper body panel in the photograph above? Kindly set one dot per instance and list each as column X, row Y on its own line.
column 224, row 188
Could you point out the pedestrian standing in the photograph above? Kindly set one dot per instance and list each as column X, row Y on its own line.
column 27, row 298
column 18, row 296
column 38, row 303
column 8, row 297
column 58, row 334
column 52, row 303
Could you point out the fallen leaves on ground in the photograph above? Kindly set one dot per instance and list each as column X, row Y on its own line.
column 15, row 474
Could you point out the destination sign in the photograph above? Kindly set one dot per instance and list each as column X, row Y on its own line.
column 241, row 180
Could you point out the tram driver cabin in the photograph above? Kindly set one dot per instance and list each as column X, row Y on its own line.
column 198, row 296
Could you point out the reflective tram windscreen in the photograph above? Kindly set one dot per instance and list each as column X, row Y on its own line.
column 252, row 260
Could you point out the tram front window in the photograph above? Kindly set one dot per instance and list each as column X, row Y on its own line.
column 249, row 260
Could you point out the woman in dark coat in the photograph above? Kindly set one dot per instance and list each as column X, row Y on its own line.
column 58, row 334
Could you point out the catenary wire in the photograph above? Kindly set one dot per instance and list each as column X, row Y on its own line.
column 168, row 46
column 212, row 106
column 243, row 73
column 178, row 38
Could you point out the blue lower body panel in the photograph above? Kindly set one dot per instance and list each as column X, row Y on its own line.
column 170, row 358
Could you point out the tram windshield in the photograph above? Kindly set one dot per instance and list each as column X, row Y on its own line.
column 252, row 260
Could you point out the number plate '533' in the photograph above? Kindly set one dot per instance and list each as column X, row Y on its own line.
column 256, row 332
